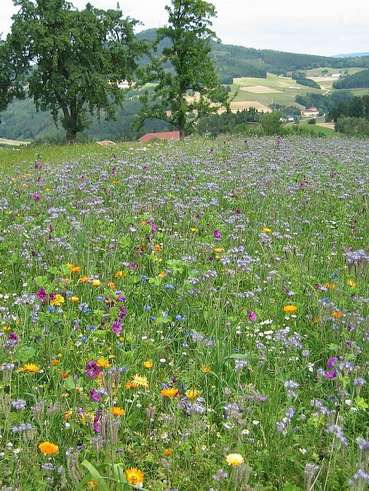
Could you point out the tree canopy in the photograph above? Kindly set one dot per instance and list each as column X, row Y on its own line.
column 186, row 86
column 72, row 60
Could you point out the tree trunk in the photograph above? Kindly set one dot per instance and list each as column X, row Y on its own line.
column 71, row 136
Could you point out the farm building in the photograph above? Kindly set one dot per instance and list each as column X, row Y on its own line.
column 311, row 112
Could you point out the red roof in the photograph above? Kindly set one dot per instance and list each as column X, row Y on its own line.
column 161, row 135
column 312, row 110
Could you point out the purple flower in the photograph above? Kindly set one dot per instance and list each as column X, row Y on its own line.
column 36, row 196
column 251, row 316
column 97, row 422
column 330, row 374
column 332, row 360
column 41, row 294
column 12, row 339
column 95, row 395
column 92, row 369
column 117, row 327
column 123, row 312
column 217, row 235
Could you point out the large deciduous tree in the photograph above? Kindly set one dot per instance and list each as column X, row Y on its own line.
column 73, row 60
column 186, row 85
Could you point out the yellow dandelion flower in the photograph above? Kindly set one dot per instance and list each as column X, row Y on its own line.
column 206, row 369
column 290, row 309
column 163, row 274
column 193, row 394
column 74, row 299
column 330, row 286
column 351, row 283
column 68, row 415
column 235, row 459
column 139, row 381
column 266, row 230
column 48, row 448
column 148, row 364
column 57, row 300
column 135, row 477
column 30, row 368
column 93, row 484
column 111, row 285
column 103, row 363
column 169, row 393
column 95, row 282
column 194, row 230
column 120, row 274
column 117, row 411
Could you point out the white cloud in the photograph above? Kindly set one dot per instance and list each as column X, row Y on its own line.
column 319, row 26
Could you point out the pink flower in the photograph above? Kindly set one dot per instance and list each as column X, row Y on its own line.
column 117, row 327
column 251, row 315
column 217, row 235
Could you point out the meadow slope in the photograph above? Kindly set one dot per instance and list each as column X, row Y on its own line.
column 185, row 316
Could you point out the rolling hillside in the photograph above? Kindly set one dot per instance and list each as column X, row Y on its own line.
column 259, row 77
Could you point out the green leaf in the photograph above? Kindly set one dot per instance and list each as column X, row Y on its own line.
column 96, row 475
column 25, row 353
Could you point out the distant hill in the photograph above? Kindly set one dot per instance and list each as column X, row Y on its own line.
column 353, row 55
column 21, row 121
column 238, row 61
column 358, row 80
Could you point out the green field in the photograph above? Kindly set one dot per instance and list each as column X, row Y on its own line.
column 283, row 90
column 185, row 316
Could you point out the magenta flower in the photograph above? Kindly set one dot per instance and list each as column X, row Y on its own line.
column 95, row 395
column 330, row 374
column 251, row 315
column 92, row 369
column 36, row 196
column 217, row 235
column 97, row 422
column 41, row 294
column 117, row 327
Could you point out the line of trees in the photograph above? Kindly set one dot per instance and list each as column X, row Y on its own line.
column 71, row 63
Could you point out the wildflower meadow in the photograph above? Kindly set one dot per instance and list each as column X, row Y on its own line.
column 185, row 316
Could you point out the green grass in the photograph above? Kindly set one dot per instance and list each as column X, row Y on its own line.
column 196, row 248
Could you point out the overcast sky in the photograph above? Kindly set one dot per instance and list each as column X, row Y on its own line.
column 324, row 27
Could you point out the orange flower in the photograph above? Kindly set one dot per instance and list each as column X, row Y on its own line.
column 290, row 309
column 157, row 248
column 48, row 448
column 55, row 362
column 169, row 393
column 135, row 477
column 337, row 314
column 117, row 411
column 83, row 279
column 168, row 452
